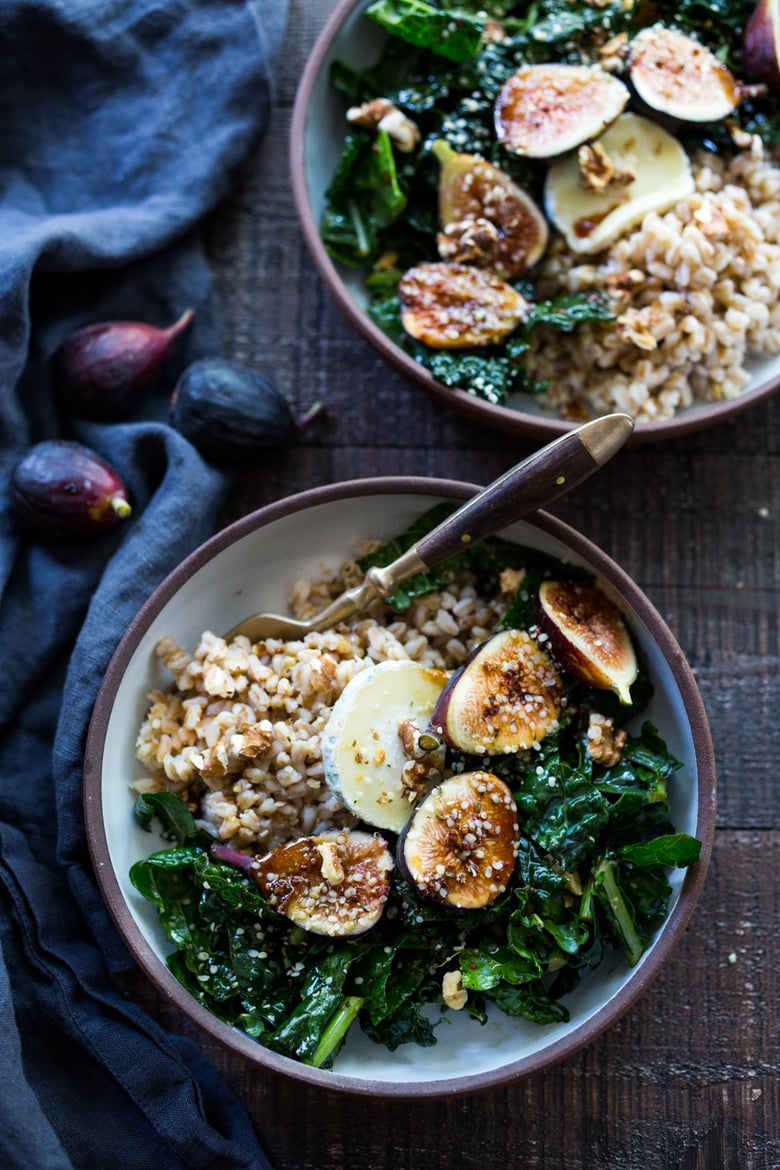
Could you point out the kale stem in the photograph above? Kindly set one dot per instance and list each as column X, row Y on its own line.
column 336, row 1028
column 606, row 877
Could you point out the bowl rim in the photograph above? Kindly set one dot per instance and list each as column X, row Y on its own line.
column 242, row 1044
column 695, row 418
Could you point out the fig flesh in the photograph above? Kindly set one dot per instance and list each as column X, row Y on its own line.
column 370, row 746
column 103, row 371
column 761, row 45
column 335, row 884
column 654, row 170
column 676, row 76
column 504, row 698
column 229, row 412
column 62, row 488
column 486, row 219
column 461, row 844
column 454, row 306
column 588, row 635
column 546, row 110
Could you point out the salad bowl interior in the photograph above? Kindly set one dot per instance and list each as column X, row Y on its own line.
column 220, row 584
column 316, row 142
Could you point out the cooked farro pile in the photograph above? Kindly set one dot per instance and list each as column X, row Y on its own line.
column 696, row 294
column 246, row 720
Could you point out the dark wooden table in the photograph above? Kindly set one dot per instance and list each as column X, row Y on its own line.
column 688, row 1079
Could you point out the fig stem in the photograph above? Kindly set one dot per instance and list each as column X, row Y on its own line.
column 183, row 322
column 120, row 506
column 336, row 1028
column 314, row 412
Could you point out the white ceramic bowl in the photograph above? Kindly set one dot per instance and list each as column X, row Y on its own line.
column 251, row 566
column 316, row 140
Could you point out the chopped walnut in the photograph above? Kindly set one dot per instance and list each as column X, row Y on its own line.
column 416, row 775
column 597, row 171
column 381, row 114
column 711, row 221
column 332, row 869
column 613, row 53
column 453, row 992
column 510, row 581
column 474, row 240
column 744, row 140
column 620, row 282
column 634, row 329
column 494, row 31
column 604, row 742
column 250, row 741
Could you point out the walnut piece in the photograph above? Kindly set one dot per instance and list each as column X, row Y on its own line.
column 604, row 742
column 597, row 171
column 474, row 240
column 381, row 114
column 453, row 992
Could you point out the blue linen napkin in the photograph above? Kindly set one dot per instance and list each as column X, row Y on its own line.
column 123, row 124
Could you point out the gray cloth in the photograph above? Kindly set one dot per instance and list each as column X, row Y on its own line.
column 124, row 122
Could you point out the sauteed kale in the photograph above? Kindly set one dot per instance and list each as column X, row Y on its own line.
column 443, row 68
column 590, row 879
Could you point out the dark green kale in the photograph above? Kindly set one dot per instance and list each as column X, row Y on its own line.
column 451, row 32
column 363, row 198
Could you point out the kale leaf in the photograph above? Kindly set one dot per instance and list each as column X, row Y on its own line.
column 451, row 32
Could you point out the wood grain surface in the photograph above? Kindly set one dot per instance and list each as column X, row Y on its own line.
column 688, row 1079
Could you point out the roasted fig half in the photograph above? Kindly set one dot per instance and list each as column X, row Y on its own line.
column 761, row 45
column 505, row 697
column 461, row 844
column 333, row 884
column 544, row 110
column 676, row 76
column 486, row 219
column 62, row 488
column 650, row 171
column 588, row 635
column 455, row 306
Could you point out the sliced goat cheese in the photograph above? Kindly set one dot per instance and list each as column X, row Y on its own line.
column 651, row 171
column 369, row 746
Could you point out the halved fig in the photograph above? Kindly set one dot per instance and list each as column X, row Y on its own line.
column 486, row 219
column 545, row 110
column 504, row 698
column 588, row 635
column 370, row 747
column 677, row 76
column 455, row 306
column 334, row 884
column 761, row 44
column 461, row 844
column 652, row 171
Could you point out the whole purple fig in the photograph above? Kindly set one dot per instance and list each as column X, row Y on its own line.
column 62, row 488
column 102, row 371
column 761, row 45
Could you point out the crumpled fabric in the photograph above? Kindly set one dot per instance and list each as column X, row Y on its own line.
column 124, row 124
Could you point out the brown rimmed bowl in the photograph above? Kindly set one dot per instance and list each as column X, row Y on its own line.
column 252, row 566
column 316, row 139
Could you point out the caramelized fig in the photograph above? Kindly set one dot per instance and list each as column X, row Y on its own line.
column 332, row 884
column 103, row 371
column 504, row 698
column 588, row 635
column 544, row 110
column 674, row 75
column 486, row 219
column 229, row 412
column 461, row 844
column 61, row 488
column 652, row 172
column 455, row 306
column 761, row 45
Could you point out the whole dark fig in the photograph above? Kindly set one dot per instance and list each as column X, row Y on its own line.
column 229, row 412
column 62, row 488
column 761, row 44
column 103, row 371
